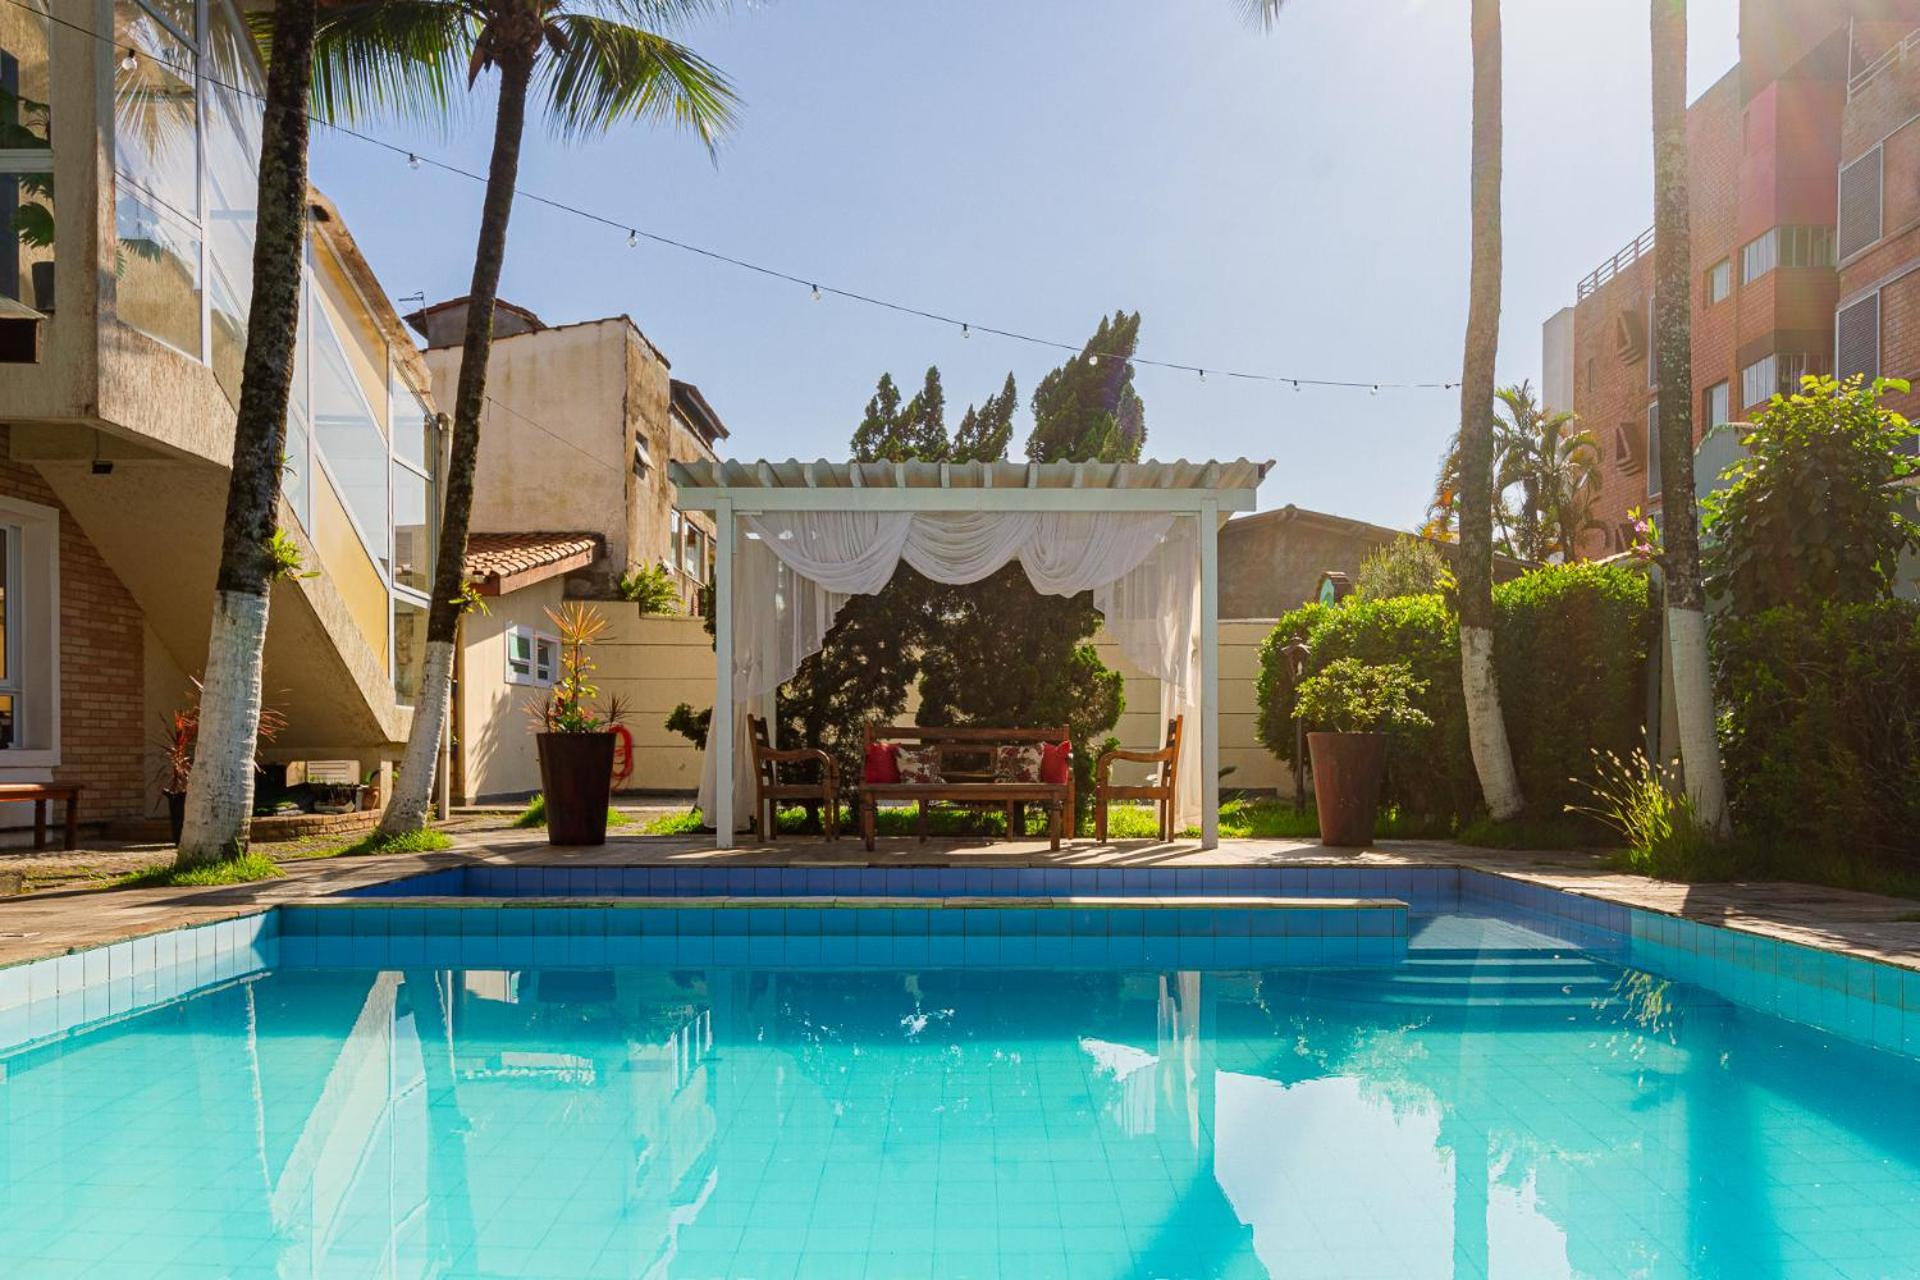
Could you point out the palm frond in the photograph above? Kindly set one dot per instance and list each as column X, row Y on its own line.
column 1260, row 13
column 400, row 60
column 652, row 15
column 598, row 72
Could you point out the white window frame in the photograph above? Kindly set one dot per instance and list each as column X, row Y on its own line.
column 1719, row 281
column 543, row 656
column 33, row 637
column 1725, row 390
column 1653, row 448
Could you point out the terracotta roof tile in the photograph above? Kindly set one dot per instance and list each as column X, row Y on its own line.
column 506, row 561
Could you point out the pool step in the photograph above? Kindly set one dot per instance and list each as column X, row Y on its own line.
column 1510, row 978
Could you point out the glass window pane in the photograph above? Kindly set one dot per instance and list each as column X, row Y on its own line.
column 349, row 435
column 296, row 480
column 413, row 434
column 233, row 148
column 412, row 530
column 409, row 648
column 26, row 262
column 158, row 273
column 25, row 88
column 154, row 111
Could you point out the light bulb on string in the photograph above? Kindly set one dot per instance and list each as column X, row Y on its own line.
column 131, row 61
column 966, row 331
column 816, row 293
column 1203, row 375
column 633, row 239
column 1093, row 358
column 413, row 161
column 1296, row 384
column 1376, row 389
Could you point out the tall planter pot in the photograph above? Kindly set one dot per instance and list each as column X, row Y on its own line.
column 576, row 776
column 176, row 813
column 1347, row 768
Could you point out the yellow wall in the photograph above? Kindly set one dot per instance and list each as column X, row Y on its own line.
column 344, row 559
column 656, row 663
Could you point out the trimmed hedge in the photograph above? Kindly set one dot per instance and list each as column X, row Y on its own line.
column 1571, row 645
column 1820, row 728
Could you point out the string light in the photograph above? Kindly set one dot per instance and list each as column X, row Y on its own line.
column 1093, row 358
column 130, row 61
column 633, row 238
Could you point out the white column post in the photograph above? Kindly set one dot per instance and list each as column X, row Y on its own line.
column 1209, row 519
column 720, row 727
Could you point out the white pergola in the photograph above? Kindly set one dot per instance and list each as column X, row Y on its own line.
column 1207, row 493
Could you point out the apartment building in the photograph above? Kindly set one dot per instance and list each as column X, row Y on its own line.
column 1775, row 251
column 580, row 423
column 125, row 320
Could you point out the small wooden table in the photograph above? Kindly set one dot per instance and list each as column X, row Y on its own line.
column 40, row 793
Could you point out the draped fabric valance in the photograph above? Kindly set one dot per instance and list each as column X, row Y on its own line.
column 795, row 570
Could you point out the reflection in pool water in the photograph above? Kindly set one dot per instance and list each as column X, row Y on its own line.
column 1487, row 1110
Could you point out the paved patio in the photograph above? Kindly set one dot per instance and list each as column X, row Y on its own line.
column 1866, row 925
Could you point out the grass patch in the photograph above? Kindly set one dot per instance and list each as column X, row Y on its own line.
column 243, row 870
column 535, row 815
column 674, row 824
column 426, row 840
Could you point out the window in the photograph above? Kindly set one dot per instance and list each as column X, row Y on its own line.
column 1856, row 338
column 1653, row 348
column 409, row 648
column 1653, row 449
column 531, row 656
column 1713, row 405
column 1719, row 281
column 693, row 556
column 1786, row 247
column 1778, row 373
column 26, row 158
column 1589, row 373
column 29, row 635
column 1860, row 203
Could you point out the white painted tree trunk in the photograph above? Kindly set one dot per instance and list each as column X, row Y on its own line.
column 413, row 789
column 220, row 788
column 1486, row 729
column 1693, row 708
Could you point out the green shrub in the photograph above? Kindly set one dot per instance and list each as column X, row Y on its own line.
column 1407, row 566
column 1820, row 728
column 1351, row 696
column 651, row 588
column 1570, row 644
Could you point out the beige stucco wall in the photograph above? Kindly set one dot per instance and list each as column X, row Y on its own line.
column 657, row 663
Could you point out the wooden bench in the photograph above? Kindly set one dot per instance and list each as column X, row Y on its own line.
column 40, row 793
column 966, row 765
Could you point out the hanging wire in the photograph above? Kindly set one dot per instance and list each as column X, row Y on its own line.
column 816, row 290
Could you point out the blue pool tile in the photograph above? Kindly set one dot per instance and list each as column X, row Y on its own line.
column 911, row 949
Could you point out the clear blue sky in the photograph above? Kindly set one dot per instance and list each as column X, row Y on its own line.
column 1293, row 202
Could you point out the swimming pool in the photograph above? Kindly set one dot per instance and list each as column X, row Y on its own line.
column 1515, row 1085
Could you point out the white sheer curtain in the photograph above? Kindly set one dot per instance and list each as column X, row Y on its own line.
column 794, row 570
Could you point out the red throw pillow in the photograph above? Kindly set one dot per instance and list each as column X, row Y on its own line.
column 883, row 763
column 1056, row 763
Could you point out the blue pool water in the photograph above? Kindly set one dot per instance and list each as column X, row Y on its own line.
column 1507, row 1098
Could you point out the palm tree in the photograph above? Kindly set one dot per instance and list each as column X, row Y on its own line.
column 1673, row 348
column 1555, row 469
column 595, row 63
column 1486, row 730
column 220, row 787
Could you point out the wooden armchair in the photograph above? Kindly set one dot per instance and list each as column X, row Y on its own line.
column 769, row 791
column 1160, row 789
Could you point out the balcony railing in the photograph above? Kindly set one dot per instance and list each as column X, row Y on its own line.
column 1641, row 246
column 1892, row 57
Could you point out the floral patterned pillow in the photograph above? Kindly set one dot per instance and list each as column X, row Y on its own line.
column 920, row 764
column 1016, row 764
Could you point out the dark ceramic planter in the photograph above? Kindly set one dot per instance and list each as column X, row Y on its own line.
column 576, row 776
column 176, row 814
column 1347, row 768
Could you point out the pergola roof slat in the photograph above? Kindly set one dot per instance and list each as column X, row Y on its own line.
column 1001, row 484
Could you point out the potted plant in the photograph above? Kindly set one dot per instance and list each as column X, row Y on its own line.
column 179, row 734
column 1355, row 704
column 576, row 734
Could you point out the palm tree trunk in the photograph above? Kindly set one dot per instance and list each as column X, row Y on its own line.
column 407, row 811
column 1486, row 730
column 220, row 788
column 1673, row 348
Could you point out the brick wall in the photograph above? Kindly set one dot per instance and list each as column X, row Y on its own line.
column 1882, row 114
column 103, row 725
